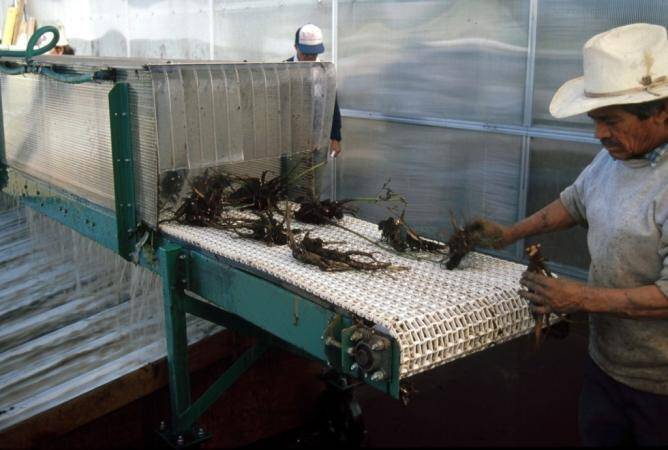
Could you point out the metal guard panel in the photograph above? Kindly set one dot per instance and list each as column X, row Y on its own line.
column 59, row 133
column 208, row 115
column 435, row 315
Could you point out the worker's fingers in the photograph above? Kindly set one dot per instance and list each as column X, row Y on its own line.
column 533, row 286
column 532, row 297
column 537, row 278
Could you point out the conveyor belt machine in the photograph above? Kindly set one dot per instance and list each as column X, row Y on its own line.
column 105, row 145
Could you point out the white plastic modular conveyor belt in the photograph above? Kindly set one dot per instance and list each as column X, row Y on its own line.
column 436, row 315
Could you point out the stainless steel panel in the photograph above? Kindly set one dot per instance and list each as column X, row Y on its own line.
column 437, row 170
column 459, row 59
column 554, row 165
column 563, row 28
column 265, row 30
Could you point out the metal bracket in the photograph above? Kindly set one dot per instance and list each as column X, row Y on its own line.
column 123, row 164
column 191, row 439
column 366, row 354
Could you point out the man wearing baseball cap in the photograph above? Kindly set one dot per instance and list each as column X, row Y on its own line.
column 622, row 199
column 308, row 45
column 62, row 46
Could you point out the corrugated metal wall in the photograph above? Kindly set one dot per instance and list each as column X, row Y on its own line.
column 448, row 98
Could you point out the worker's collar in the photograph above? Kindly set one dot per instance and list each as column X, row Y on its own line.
column 652, row 158
column 296, row 59
column 656, row 155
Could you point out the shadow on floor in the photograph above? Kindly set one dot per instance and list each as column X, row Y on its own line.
column 508, row 395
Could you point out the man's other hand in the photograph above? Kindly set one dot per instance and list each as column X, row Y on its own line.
column 491, row 234
column 335, row 148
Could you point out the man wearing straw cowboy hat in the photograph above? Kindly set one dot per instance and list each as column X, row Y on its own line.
column 622, row 198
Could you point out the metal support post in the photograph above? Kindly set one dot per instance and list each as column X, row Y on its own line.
column 175, row 272
column 175, row 329
column 123, row 163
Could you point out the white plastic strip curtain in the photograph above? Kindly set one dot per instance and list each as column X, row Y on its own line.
column 73, row 316
column 60, row 133
column 240, row 115
column 435, row 314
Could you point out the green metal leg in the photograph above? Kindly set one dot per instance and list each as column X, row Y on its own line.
column 174, row 271
column 223, row 383
column 175, row 329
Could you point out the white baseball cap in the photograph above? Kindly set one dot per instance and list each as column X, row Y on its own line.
column 62, row 41
column 308, row 39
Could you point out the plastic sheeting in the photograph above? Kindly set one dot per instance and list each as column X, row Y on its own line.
column 169, row 29
column 264, row 30
column 93, row 27
column 553, row 168
column 459, row 59
column 435, row 169
column 563, row 28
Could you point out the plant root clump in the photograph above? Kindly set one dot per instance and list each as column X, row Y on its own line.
column 258, row 194
column 314, row 251
column 321, row 212
column 264, row 227
column 465, row 239
column 204, row 204
column 537, row 265
column 402, row 237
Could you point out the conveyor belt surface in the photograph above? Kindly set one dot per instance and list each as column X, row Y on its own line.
column 436, row 315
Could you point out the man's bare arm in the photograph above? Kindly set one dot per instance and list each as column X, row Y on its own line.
column 553, row 217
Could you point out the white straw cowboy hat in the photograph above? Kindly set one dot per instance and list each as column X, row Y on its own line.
column 624, row 65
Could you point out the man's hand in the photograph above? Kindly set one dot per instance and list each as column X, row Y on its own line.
column 335, row 148
column 491, row 234
column 552, row 294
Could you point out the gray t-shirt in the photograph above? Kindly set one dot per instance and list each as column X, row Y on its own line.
column 624, row 204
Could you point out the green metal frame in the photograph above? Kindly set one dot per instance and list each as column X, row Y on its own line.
column 235, row 297
column 123, row 162
column 92, row 221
